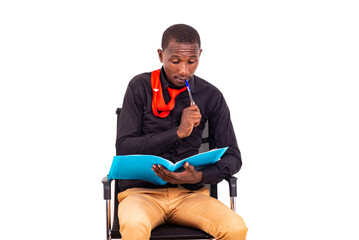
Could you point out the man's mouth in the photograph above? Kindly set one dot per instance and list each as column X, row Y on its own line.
column 182, row 78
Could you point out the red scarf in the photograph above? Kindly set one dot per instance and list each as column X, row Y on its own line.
column 158, row 103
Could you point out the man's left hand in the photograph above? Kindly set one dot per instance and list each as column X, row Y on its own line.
column 189, row 175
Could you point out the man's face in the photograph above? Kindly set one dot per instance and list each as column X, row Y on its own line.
column 180, row 61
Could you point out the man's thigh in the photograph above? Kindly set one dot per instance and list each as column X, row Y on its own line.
column 141, row 208
column 206, row 213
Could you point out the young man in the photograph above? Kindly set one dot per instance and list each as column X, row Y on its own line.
column 158, row 118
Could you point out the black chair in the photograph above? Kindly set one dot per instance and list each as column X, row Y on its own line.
column 164, row 231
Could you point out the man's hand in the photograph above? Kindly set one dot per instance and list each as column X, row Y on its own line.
column 189, row 175
column 191, row 117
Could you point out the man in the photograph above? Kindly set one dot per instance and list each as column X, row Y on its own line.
column 158, row 118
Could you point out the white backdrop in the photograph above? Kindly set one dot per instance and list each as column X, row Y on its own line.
column 288, row 69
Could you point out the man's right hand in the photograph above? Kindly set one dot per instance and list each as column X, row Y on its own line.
column 191, row 117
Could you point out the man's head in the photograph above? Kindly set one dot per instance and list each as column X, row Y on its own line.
column 180, row 53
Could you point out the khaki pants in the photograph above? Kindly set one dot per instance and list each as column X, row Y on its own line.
column 140, row 210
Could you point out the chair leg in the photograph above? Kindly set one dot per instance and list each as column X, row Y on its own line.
column 233, row 204
column 108, row 219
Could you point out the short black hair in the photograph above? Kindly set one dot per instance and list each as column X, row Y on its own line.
column 181, row 33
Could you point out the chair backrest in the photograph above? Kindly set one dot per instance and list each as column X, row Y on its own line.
column 206, row 145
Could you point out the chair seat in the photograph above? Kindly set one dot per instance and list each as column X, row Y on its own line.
column 173, row 232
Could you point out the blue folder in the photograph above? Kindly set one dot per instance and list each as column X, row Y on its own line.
column 140, row 166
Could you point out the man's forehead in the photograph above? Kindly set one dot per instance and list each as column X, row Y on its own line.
column 174, row 48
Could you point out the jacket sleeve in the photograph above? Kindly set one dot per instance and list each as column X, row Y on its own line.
column 222, row 134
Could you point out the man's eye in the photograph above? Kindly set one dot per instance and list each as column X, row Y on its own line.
column 175, row 62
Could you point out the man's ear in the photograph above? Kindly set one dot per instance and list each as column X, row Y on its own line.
column 200, row 51
column 160, row 55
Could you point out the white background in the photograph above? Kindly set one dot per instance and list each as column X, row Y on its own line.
column 288, row 69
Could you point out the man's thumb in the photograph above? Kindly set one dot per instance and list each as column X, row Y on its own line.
column 185, row 165
column 188, row 167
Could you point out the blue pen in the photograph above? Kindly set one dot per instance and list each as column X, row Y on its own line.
column 189, row 93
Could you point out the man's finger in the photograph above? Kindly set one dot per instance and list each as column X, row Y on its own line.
column 160, row 169
column 185, row 165
column 193, row 108
column 165, row 173
column 189, row 167
column 161, row 173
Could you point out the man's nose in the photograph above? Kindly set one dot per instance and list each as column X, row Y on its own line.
column 183, row 69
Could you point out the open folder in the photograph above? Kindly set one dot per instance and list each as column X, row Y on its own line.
column 140, row 166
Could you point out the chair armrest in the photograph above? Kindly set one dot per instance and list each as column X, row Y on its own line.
column 106, row 188
column 232, row 182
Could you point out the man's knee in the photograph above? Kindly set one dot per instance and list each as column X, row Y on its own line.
column 133, row 228
column 237, row 232
column 233, row 228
